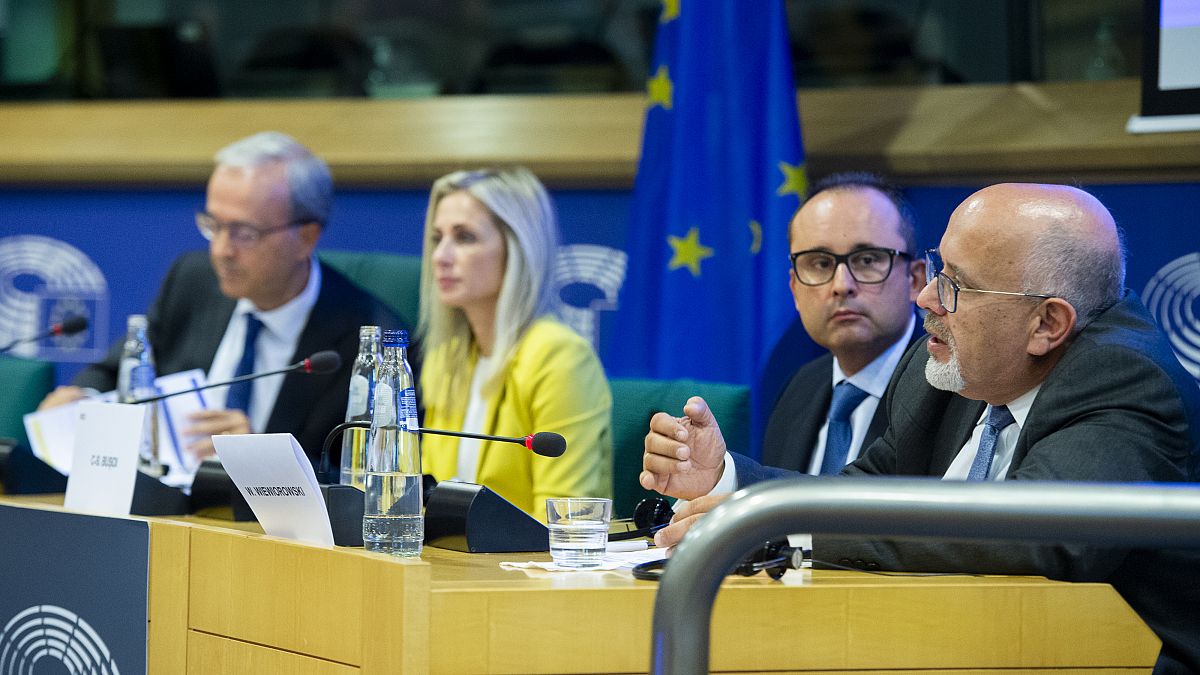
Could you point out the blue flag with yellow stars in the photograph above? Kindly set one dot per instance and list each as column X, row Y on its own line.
column 721, row 173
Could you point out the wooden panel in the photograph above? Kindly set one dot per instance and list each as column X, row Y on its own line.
column 601, row 630
column 394, row 614
column 214, row 654
column 957, row 134
column 168, row 610
column 490, row 620
column 301, row 598
column 984, row 622
column 969, row 671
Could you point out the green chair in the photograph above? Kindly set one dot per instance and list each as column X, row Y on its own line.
column 635, row 401
column 26, row 382
column 392, row 278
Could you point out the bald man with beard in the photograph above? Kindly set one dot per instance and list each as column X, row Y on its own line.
column 1038, row 366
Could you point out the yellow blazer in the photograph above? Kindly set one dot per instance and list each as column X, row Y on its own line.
column 554, row 382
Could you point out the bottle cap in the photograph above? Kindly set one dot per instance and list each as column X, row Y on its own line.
column 136, row 321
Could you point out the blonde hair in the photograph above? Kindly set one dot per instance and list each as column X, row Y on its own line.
column 521, row 208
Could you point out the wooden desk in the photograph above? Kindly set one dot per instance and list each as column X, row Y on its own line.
column 225, row 598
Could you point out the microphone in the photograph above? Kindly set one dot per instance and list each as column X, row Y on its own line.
column 318, row 364
column 71, row 325
column 544, row 443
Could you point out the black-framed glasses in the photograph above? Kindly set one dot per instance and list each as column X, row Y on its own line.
column 241, row 234
column 871, row 265
column 948, row 289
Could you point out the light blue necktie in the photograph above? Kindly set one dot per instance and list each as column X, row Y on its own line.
column 238, row 397
column 998, row 418
column 846, row 397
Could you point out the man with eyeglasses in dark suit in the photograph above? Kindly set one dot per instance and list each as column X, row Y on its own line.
column 1039, row 365
column 259, row 300
column 854, row 278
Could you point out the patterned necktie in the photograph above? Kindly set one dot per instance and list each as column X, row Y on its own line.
column 998, row 418
column 846, row 397
column 238, row 397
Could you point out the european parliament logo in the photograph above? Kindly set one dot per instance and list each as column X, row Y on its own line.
column 589, row 279
column 43, row 635
column 43, row 281
column 1171, row 298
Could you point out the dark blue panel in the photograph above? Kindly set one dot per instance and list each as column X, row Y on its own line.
column 83, row 581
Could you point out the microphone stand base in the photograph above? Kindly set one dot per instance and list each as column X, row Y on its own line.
column 473, row 519
column 151, row 497
column 345, row 505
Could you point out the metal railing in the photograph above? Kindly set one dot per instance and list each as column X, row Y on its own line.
column 1124, row 514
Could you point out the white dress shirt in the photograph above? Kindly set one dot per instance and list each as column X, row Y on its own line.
column 1006, row 443
column 273, row 349
column 473, row 422
column 872, row 379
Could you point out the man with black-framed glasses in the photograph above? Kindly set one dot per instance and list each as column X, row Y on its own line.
column 854, row 279
column 1039, row 365
column 258, row 300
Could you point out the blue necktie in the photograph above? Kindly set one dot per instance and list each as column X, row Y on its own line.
column 998, row 418
column 238, row 397
column 846, row 397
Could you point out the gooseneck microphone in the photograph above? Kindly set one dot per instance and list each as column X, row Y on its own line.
column 317, row 364
column 69, row 326
column 544, row 443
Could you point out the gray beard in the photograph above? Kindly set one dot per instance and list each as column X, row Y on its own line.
column 945, row 376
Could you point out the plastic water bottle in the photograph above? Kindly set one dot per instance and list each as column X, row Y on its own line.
column 360, row 404
column 392, row 521
column 136, row 380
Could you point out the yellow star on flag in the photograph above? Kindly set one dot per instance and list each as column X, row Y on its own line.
column 688, row 252
column 795, row 181
column 755, row 237
column 670, row 10
column 659, row 87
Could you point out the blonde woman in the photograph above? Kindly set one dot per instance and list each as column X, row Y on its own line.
column 496, row 361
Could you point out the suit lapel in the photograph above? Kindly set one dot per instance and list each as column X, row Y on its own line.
column 879, row 421
column 809, row 414
column 964, row 413
column 325, row 328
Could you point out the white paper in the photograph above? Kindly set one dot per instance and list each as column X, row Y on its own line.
column 180, row 465
column 106, row 457
column 52, row 432
column 613, row 560
column 274, row 475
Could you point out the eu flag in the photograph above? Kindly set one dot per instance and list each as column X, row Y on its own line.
column 721, row 173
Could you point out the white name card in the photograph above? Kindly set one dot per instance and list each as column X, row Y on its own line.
column 104, row 467
column 277, row 480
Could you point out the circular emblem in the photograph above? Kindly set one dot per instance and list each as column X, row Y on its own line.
column 43, row 280
column 1171, row 297
column 53, row 635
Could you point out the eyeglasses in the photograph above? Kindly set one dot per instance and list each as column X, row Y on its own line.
column 815, row 267
column 948, row 289
column 240, row 234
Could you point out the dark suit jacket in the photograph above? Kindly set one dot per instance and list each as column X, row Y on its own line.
column 188, row 320
column 1118, row 407
column 801, row 411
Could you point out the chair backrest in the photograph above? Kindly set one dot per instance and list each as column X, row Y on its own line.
column 636, row 400
column 26, row 382
column 392, row 278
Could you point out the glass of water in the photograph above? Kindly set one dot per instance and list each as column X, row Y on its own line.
column 578, row 530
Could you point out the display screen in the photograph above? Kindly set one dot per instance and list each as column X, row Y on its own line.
column 1179, row 45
